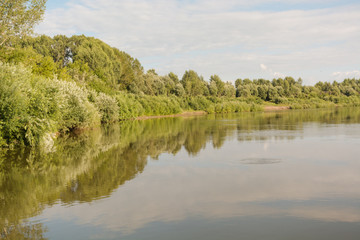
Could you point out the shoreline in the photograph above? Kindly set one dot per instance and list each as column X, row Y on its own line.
column 183, row 114
column 275, row 108
column 200, row 113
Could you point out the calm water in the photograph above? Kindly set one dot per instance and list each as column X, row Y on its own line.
column 285, row 175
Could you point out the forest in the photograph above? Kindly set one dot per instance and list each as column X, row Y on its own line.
column 60, row 84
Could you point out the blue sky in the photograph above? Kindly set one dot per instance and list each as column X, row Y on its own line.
column 316, row 40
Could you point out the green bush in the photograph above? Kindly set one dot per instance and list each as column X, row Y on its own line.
column 281, row 100
column 129, row 106
column 31, row 106
column 2, row 140
column 23, row 110
column 77, row 111
column 107, row 107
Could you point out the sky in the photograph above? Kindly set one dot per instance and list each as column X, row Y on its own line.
column 317, row 40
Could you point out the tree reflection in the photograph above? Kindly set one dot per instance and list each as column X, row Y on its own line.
column 92, row 165
column 24, row 231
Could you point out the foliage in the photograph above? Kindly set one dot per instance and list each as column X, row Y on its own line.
column 193, row 84
column 18, row 17
column 63, row 84
column 107, row 107
column 31, row 105
column 15, row 115
column 77, row 111
column 281, row 90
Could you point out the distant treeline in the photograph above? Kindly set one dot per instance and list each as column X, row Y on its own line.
column 61, row 84
column 91, row 62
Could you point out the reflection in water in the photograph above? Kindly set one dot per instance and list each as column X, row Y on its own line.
column 92, row 166
column 260, row 160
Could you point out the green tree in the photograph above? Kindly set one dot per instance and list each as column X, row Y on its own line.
column 272, row 93
column 229, row 90
column 220, row 85
column 18, row 18
column 179, row 90
column 238, row 82
column 213, row 89
column 45, row 67
column 262, row 92
column 192, row 83
column 243, row 91
column 174, row 77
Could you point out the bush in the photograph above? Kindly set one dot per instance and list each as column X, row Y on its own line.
column 76, row 110
column 281, row 100
column 31, row 106
column 15, row 89
column 2, row 140
column 107, row 107
column 129, row 106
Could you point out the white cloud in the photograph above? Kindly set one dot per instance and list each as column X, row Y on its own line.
column 263, row 67
column 220, row 37
column 343, row 75
column 270, row 72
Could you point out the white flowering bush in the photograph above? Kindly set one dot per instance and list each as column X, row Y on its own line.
column 76, row 110
column 107, row 107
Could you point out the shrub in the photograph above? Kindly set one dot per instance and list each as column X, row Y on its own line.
column 76, row 110
column 2, row 140
column 107, row 107
column 129, row 106
column 14, row 102
column 31, row 106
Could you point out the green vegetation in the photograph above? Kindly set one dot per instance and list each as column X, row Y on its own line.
column 287, row 91
column 17, row 19
column 33, row 105
column 61, row 84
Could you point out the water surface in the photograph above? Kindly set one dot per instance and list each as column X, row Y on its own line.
column 278, row 175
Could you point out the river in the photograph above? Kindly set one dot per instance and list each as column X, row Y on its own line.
column 274, row 175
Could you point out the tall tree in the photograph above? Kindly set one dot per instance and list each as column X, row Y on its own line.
column 193, row 84
column 220, row 85
column 18, row 18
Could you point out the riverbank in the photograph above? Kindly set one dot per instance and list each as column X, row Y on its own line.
column 276, row 108
column 183, row 114
column 32, row 106
column 200, row 113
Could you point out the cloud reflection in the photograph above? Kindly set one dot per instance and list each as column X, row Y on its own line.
column 214, row 185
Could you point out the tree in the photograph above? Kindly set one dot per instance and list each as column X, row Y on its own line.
column 18, row 18
column 213, row 89
column 272, row 93
column 192, row 83
column 220, row 85
column 174, row 77
column 229, row 90
column 238, row 82
column 243, row 91
column 179, row 90
column 262, row 91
